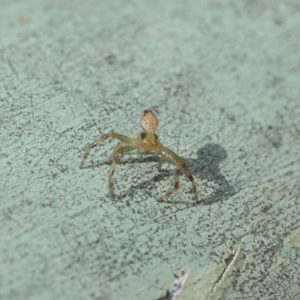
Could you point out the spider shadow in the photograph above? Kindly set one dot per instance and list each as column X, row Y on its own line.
column 205, row 167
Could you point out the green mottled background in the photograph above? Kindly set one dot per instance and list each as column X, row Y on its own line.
column 223, row 77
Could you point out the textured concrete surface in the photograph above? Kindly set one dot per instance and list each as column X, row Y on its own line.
column 224, row 79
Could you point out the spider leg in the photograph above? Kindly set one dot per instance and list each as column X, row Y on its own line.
column 191, row 178
column 117, row 152
column 120, row 137
column 120, row 145
column 176, row 186
column 162, row 159
column 180, row 164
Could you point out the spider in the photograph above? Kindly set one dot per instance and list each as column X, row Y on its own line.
column 147, row 141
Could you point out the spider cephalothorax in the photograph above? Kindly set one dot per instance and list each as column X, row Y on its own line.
column 147, row 141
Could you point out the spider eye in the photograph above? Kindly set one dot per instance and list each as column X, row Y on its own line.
column 149, row 121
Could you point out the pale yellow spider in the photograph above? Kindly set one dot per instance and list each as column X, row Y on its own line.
column 147, row 141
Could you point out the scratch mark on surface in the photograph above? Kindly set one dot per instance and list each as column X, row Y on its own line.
column 32, row 114
column 12, row 67
column 229, row 262
column 32, row 109
column 221, row 283
column 43, row 155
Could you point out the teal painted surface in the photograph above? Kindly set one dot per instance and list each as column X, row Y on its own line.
column 224, row 79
